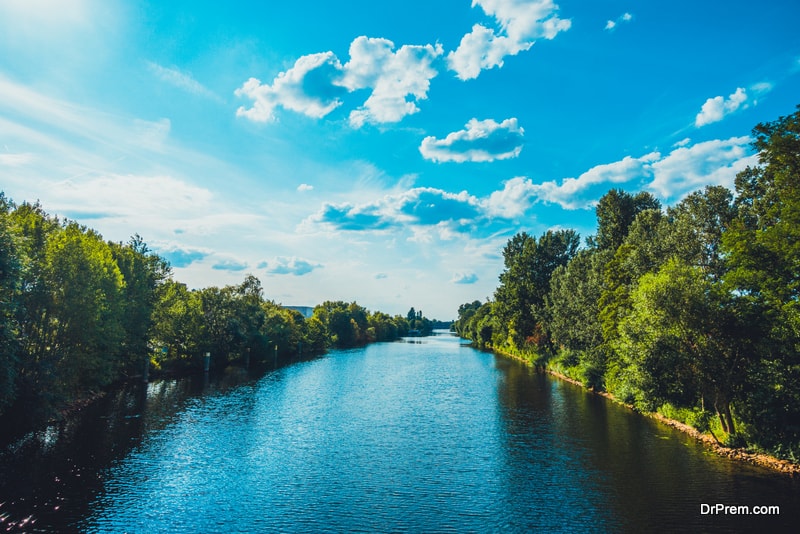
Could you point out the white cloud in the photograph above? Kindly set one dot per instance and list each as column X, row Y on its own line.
column 419, row 206
column 229, row 264
column 709, row 163
column 311, row 87
column 479, row 50
column 316, row 82
column 611, row 25
column 578, row 193
column 288, row 265
column 152, row 134
column 392, row 76
column 129, row 196
column 181, row 80
column 179, row 255
column 464, row 278
column 683, row 142
column 48, row 12
column 305, row 187
column 513, row 200
column 521, row 22
column 16, row 160
column 685, row 169
column 715, row 109
column 484, row 140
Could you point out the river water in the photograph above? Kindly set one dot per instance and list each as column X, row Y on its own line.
column 426, row 435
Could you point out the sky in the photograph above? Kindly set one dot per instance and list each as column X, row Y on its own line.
column 382, row 153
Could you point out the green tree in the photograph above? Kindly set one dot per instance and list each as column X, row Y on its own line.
column 616, row 211
column 178, row 332
column 9, row 282
column 142, row 271
column 573, row 311
column 529, row 264
column 763, row 248
column 698, row 223
column 686, row 341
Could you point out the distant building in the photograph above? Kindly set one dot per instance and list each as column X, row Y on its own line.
column 307, row 311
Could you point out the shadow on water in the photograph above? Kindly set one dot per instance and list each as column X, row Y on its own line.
column 48, row 476
column 421, row 434
column 635, row 474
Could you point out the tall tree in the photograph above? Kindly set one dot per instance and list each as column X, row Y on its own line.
column 763, row 247
column 142, row 271
column 616, row 211
column 687, row 341
column 529, row 264
column 9, row 281
column 573, row 311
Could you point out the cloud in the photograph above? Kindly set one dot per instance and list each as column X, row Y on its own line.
column 16, row 160
column 682, row 142
column 611, row 25
column 49, row 12
column 683, row 170
column 316, row 83
column 420, row 206
column 152, row 134
column 181, row 80
column 520, row 24
column 513, row 200
column 305, row 187
column 464, row 278
column 480, row 141
column 180, row 256
column 288, row 265
column 712, row 162
column 229, row 265
column 131, row 195
column 715, row 109
column 311, row 87
column 392, row 76
column 582, row 192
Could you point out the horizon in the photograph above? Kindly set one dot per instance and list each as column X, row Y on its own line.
column 338, row 153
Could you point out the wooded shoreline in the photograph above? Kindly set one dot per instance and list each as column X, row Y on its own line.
column 709, row 440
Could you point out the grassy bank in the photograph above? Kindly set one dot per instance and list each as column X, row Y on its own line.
column 668, row 415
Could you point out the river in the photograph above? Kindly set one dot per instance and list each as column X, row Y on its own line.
column 425, row 435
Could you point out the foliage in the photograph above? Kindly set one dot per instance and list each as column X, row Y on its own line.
column 520, row 297
column 694, row 311
column 78, row 313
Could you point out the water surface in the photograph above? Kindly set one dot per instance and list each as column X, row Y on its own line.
column 421, row 436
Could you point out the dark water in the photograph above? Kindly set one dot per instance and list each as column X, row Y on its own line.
column 403, row 437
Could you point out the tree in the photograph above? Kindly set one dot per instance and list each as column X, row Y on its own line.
column 178, row 330
column 698, row 223
column 526, row 280
column 686, row 341
column 142, row 271
column 573, row 311
column 763, row 248
column 616, row 211
column 9, row 280
column 465, row 313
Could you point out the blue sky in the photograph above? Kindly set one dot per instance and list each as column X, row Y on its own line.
column 379, row 154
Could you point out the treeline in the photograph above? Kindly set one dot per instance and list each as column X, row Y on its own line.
column 692, row 311
column 78, row 313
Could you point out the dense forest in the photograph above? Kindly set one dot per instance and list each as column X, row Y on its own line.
column 78, row 313
column 691, row 311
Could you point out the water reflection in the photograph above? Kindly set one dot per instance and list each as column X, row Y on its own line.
column 429, row 436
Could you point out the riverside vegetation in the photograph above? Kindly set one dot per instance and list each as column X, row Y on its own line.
column 78, row 313
column 691, row 312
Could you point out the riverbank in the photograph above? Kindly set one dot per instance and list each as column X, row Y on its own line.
column 760, row 459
